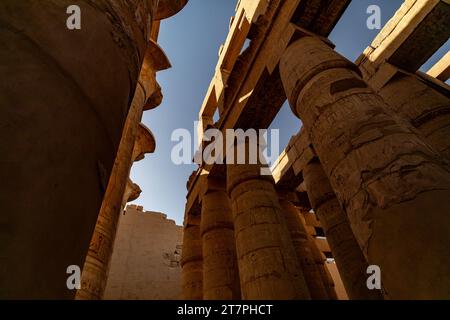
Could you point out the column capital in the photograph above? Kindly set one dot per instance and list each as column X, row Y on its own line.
column 145, row 143
column 132, row 191
column 169, row 8
column 317, row 57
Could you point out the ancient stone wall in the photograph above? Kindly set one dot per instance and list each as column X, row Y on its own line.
column 145, row 263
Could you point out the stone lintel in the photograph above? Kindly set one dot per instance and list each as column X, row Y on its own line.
column 319, row 17
column 441, row 70
column 287, row 171
column 410, row 38
column 252, row 94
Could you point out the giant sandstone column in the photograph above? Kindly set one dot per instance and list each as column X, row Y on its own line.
column 192, row 264
column 65, row 96
column 393, row 186
column 220, row 269
column 303, row 251
column 96, row 266
column 267, row 267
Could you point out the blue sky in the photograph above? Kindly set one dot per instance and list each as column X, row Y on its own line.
column 191, row 40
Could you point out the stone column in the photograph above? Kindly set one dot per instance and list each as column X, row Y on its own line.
column 265, row 267
column 303, row 251
column 220, row 269
column 96, row 266
column 350, row 261
column 393, row 186
column 319, row 258
column 192, row 264
column 65, row 97
column 426, row 108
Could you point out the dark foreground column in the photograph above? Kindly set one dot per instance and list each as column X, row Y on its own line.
column 96, row 266
column 64, row 97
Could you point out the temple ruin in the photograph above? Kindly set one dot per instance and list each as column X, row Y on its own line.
column 371, row 160
column 366, row 181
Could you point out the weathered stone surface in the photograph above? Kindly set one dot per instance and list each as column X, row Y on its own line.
column 262, row 253
column 168, row 8
column 145, row 264
column 383, row 173
column 246, row 87
column 114, row 201
column 441, row 70
column 409, row 39
column 135, row 142
column 424, row 107
column 300, row 240
column 64, row 105
column 351, row 263
column 145, row 143
column 220, row 268
column 319, row 256
column 192, row 264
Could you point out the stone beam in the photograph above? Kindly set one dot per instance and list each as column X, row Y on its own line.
column 441, row 70
column 287, row 170
column 246, row 87
column 247, row 12
column 257, row 71
column 246, row 79
column 417, row 30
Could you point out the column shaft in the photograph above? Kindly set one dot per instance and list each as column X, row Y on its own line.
column 64, row 97
column 350, row 261
column 319, row 260
column 192, row 264
column 303, row 251
column 265, row 269
column 220, row 269
column 393, row 186
column 95, row 270
column 120, row 188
